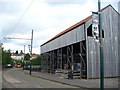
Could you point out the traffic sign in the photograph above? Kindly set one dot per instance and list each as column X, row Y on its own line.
column 95, row 30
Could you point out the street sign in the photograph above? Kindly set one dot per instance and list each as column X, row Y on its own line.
column 95, row 30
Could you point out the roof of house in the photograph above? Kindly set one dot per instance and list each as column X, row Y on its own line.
column 33, row 55
column 14, row 54
column 73, row 26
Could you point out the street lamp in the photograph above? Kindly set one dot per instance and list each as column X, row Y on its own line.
column 101, row 49
column 23, row 57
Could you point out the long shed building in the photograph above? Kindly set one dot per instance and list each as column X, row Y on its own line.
column 75, row 48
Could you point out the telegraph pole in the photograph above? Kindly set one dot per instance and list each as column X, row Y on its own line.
column 31, row 53
column 24, row 57
column 101, row 49
column 1, row 55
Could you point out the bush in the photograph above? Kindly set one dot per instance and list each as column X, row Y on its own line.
column 13, row 61
column 36, row 61
column 6, row 57
column 26, row 63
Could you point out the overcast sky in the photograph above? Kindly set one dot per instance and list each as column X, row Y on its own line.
column 46, row 17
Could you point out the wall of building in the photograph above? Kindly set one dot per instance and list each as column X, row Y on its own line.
column 119, row 41
column 110, row 46
column 110, row 27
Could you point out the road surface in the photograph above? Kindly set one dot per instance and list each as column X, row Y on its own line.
column 16, row 78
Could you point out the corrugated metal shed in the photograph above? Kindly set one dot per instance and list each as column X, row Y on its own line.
column 79, row 32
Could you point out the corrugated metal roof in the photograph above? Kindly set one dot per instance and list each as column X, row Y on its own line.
column 72, row 27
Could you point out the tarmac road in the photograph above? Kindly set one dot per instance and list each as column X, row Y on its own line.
column 6, row 84
column 15, row 78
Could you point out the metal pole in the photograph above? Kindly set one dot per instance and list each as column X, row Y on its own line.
column 24, row 57
column 31, row 53
column 101, row 49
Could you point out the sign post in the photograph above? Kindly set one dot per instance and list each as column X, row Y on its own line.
column 97, row 34
column 101, row 48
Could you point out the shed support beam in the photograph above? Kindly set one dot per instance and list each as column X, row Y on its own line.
column 70, row 60
column 52, row 62
column 59, row 58
column 83, row 60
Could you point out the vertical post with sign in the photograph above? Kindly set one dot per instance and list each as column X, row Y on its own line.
column 101, row 48
column 97, row 34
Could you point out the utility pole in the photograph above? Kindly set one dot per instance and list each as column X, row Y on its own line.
column 1, row 55
column 31, row 53
column 24, row 57
column 101, row 48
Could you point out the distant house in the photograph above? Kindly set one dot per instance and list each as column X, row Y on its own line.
column 21, row 56
column 17, row 56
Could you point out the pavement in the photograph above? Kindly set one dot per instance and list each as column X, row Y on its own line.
column 84, row 83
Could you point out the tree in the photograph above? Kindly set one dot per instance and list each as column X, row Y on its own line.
column 21, row 52
column 6, row 57
column 27, row 56
column 37, row 61
column 16, row 52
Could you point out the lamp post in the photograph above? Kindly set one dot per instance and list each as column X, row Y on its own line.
column 101, row 48
column 24, row 57
column 1, row 54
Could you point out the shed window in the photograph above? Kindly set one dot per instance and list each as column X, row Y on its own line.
column 89, row 31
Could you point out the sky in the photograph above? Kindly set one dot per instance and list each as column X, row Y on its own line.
column 45, row 17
